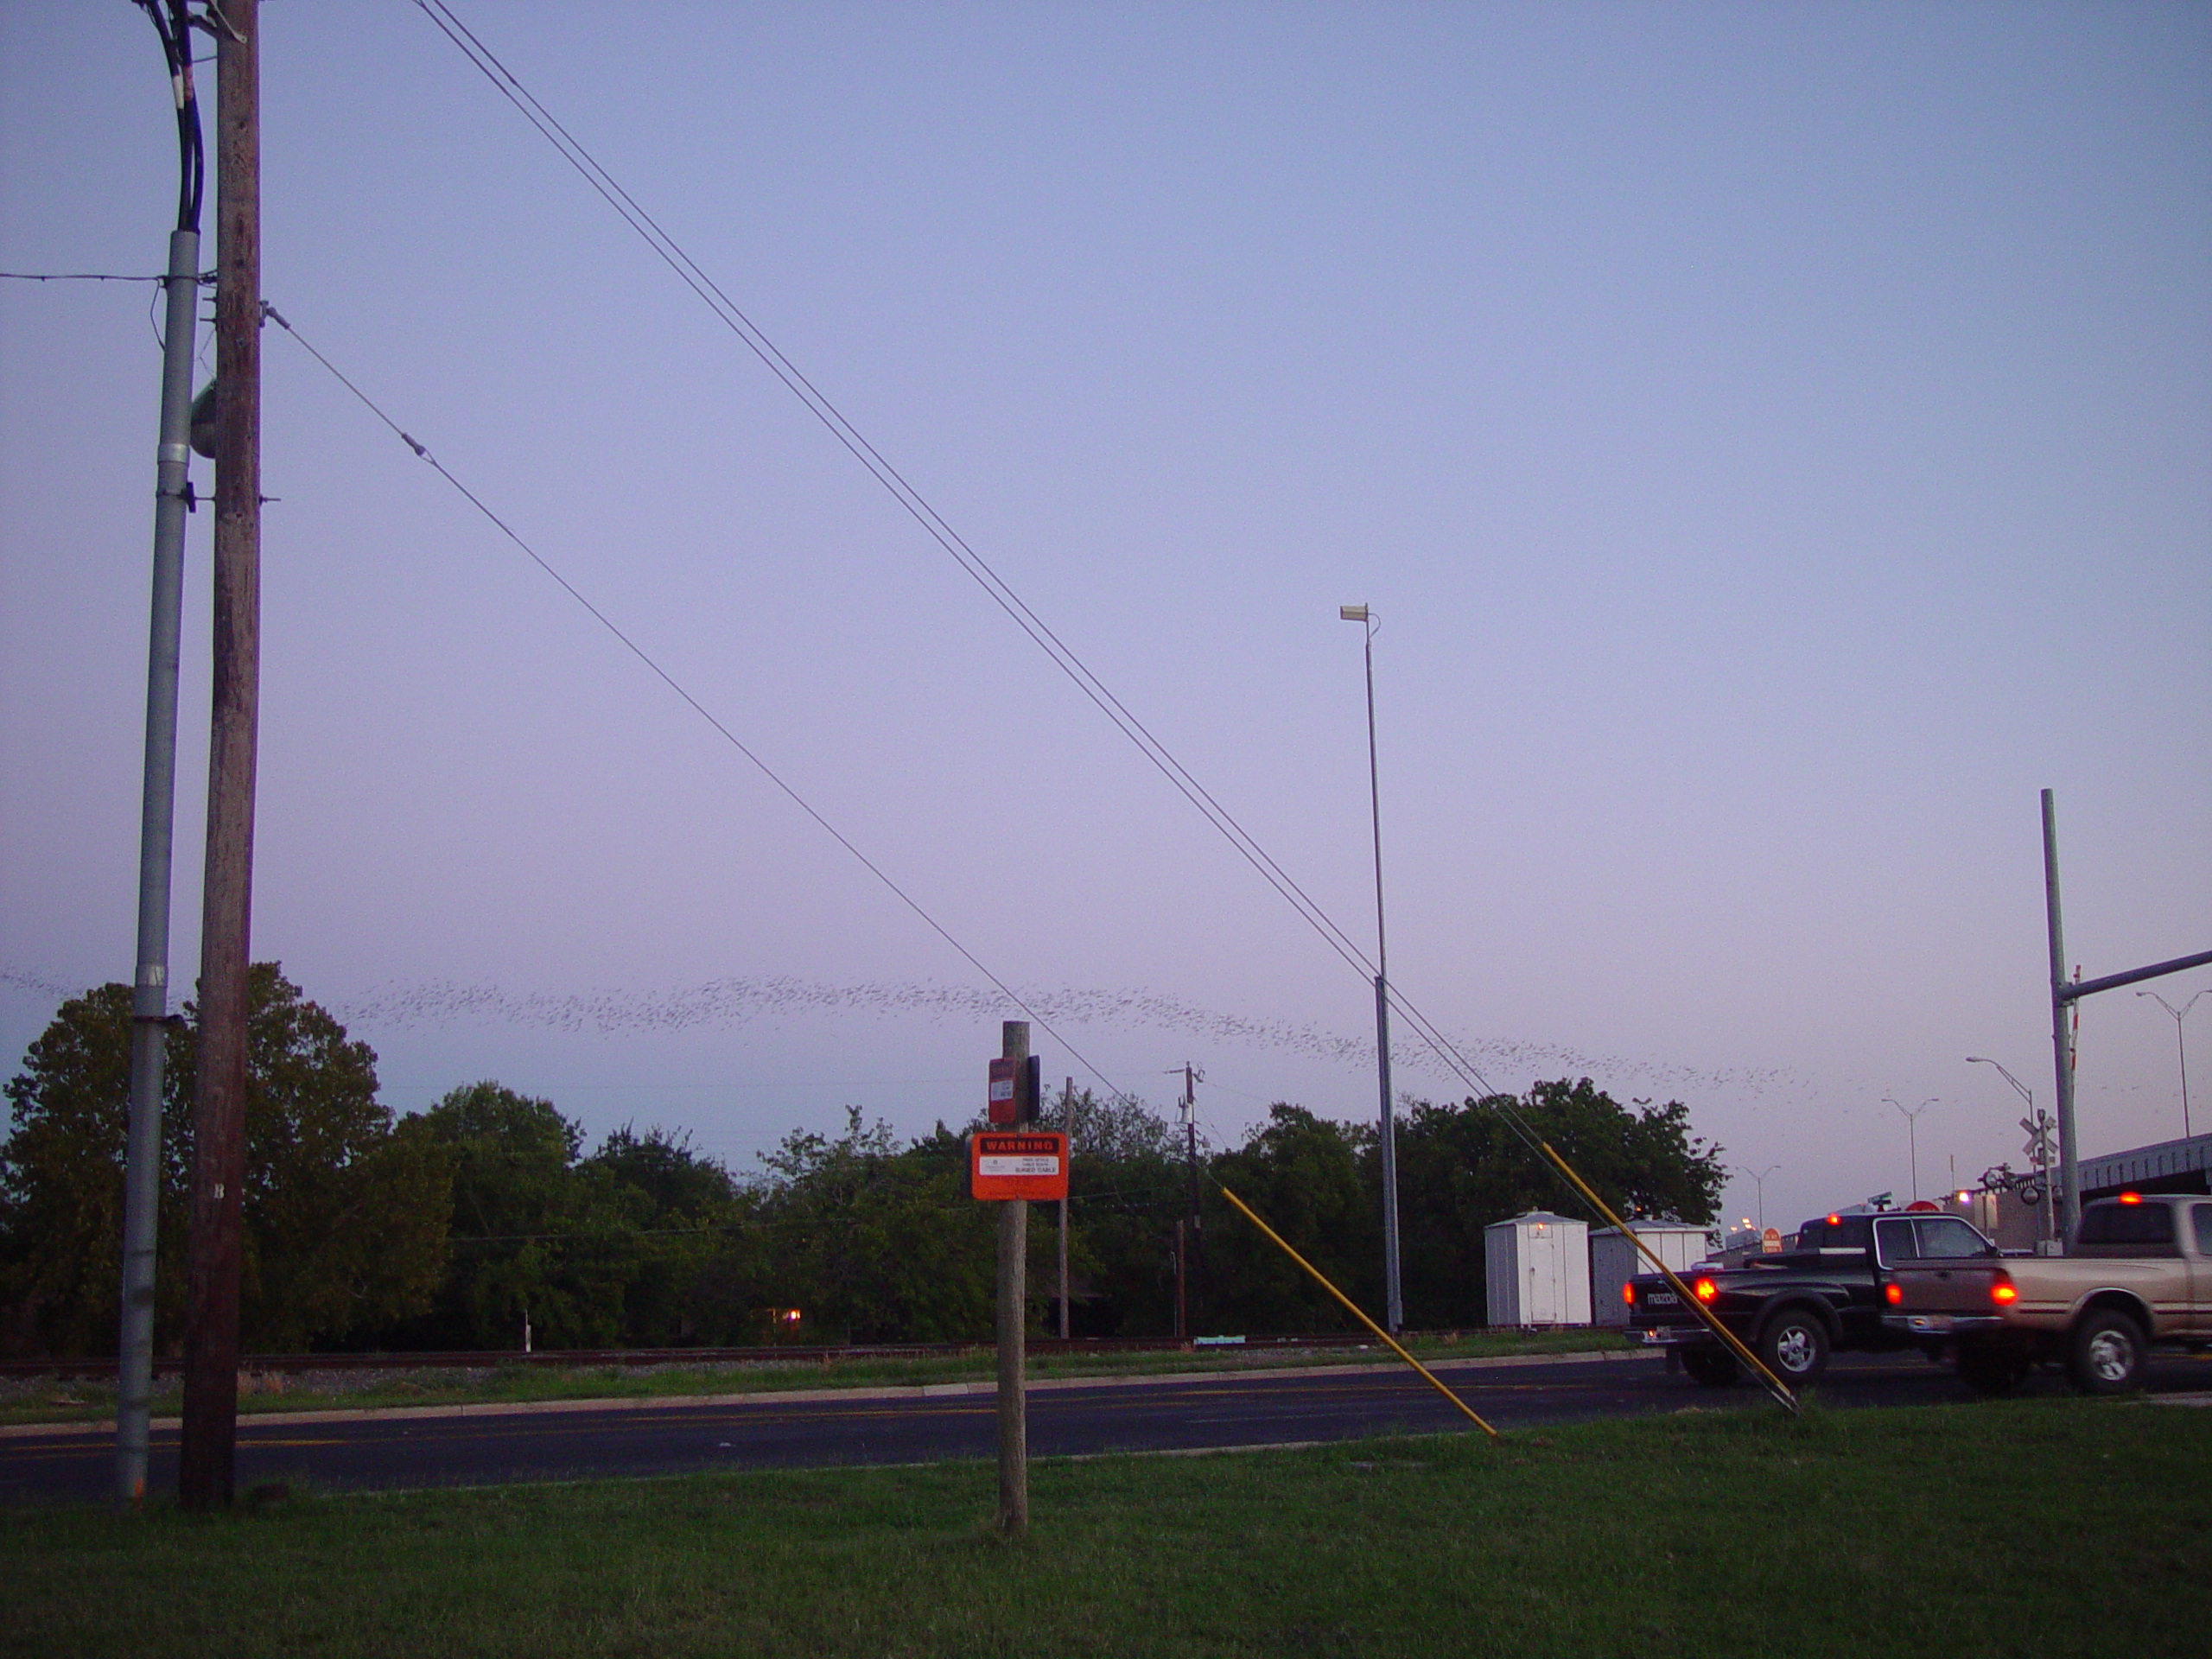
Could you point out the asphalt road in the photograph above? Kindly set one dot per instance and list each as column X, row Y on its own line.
column 1254, row 1408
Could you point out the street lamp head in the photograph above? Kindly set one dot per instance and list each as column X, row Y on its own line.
column 1352, row 613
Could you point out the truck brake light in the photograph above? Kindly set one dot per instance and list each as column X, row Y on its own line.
column 2131, row 1198
column 1628, row 1293
column 1705, row 1290
column 2003, row 1291
column 1893, row 1292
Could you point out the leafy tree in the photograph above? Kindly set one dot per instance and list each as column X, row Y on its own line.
column 876, row 1242
column 344, row 1222
column 1462, row 1167
column 1128, row 1182
column 62, row 1184
column 1303, row 1176
column 694, row 1258
column 528, row 1241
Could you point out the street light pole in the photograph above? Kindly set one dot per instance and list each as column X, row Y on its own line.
column 1759, row 1181
column 1912, row 1138
column 2179, row 1013
column 1393, row 1310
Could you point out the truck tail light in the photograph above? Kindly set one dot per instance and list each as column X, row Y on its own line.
column 1705, row 1290
column 2131, row 1198
column 1893, row 1292
column 2002, row 1290
column 1628, row 1293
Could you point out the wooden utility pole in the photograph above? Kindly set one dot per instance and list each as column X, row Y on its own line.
column 1013, row 1312
column 207, row 1451
column 1067, row 1127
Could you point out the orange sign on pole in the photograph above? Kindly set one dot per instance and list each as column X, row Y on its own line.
column 1018, row 1164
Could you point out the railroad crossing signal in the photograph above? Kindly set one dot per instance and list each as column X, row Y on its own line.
column 2039, row 1128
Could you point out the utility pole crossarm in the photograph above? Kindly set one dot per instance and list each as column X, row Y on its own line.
column 2074, row 991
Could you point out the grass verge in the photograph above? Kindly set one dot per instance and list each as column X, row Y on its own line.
column 65, row 1402
column 2042, row 1526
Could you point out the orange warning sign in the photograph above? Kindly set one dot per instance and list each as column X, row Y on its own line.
column 1018, row 1164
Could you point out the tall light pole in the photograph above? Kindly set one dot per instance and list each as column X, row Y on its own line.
column 1759, row 1181
column 1912, row 1137
column 2033, row 1124
column 2179, row 1013
column 1394, row 1303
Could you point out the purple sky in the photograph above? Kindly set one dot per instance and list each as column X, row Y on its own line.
column 1778, row 441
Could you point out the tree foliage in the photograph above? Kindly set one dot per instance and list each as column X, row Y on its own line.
column 448, row 1227
column 344, row 1222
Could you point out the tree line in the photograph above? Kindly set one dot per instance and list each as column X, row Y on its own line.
column 450, row 1228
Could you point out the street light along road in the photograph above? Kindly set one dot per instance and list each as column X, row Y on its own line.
column 1393, row 1304
column 1912, row 1137
column 1758, row 1182
column 2179, row 1013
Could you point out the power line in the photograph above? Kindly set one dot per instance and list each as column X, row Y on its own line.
column 911, row 499
column 204, row 279
column 727, row 311
column 698, row 708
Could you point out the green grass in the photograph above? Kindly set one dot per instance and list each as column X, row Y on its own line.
column 65, row 1403
column 2042, row 1526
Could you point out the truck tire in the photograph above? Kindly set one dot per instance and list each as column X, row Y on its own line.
column 1794, row 1345
column 1714, row 1367
column 1988, row 1369
column 2106, row 1352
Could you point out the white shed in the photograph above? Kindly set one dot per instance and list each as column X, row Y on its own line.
column 1538, row 1269
column 1614, row 1261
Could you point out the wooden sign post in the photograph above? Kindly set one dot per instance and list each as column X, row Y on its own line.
column 1009, row 1167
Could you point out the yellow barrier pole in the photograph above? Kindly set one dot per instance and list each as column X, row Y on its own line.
column 1775, row 1385
column 1354, row 1309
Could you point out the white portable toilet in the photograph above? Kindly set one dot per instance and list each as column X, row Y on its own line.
column 1537, row 1269
column 1614, row 1261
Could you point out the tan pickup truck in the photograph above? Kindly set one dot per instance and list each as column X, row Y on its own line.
column 2137, row 1273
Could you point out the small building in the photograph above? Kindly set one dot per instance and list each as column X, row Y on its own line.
column 1537, row 1269
column 1614, row 1261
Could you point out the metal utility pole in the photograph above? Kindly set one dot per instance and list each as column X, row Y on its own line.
column 1012, row 1311
column 1393, row 1304
column 2179, row 1013
column 142, row 1177
column 1912, row 1137
column 208, row 1443
column 1067, row 1127
column 2067, row 1201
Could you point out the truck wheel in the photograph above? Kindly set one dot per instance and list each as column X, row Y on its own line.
column 1794, row 1345
column 1991, row 1371
column 1714, row 1367
column 2107, row 1352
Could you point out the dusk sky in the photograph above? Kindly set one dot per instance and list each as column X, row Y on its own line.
column 1777, row 442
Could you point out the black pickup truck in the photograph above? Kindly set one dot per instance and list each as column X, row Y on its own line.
column 1796, row 1308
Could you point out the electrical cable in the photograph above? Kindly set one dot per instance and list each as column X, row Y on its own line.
column 698, row 708
column 672, row 254
column 911, row 499
column 175, row 30
column 86, row 276
column 695, row 277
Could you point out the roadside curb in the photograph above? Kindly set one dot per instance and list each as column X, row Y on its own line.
column 816, row 1397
